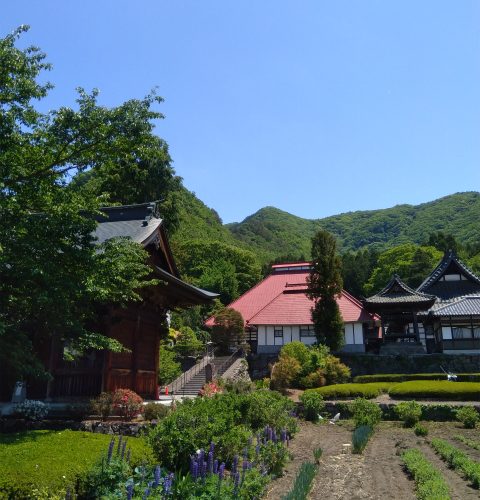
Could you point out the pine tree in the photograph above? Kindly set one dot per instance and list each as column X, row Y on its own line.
column 325, row 283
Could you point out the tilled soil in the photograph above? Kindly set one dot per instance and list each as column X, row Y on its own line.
column 377, row 473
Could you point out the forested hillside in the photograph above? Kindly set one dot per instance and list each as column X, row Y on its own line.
column 271, row 232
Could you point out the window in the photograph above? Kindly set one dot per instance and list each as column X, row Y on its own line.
column 461, row 332
column 307, row 331
column 278, row 335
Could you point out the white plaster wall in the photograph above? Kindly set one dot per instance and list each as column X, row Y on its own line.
column 295, row 332
column 446, row 333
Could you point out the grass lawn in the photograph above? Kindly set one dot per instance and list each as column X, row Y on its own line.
column 53, row 460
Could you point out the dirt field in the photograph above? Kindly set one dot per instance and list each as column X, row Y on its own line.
column 378, row 473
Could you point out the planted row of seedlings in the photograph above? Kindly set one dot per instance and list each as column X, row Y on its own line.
column 469, row 442
column 429, row 482
column 458, row 460
column 304, row 480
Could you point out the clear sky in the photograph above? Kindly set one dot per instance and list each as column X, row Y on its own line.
column 316, row 107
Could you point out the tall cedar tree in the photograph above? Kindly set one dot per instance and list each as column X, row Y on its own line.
column 325, row 283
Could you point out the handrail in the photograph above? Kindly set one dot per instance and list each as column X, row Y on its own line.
column 186, row 376
column 228, row 362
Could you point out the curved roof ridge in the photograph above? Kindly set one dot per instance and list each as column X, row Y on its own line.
column 448, row 257
column 396, row 280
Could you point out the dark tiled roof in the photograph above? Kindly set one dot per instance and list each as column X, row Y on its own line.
column 199, row 293
column 397, row 292
column 463, row 306
column 137, row 222
column 450, row 264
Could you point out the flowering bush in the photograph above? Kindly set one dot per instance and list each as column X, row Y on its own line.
column 127, row 402
column 32, row 409
column 210, row 389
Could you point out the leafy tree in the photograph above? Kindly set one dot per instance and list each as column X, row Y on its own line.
column 228, row 329
column 53, row 278
column 218, row 266
column 357, row 268
column 141, row 180
column 324, row 285
column 168, row 366
column 411, row 262
column 187, row 343
column 443, row 242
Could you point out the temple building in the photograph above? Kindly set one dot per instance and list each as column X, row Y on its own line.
column 138, row 327
column 277, row 311
column 441, row 315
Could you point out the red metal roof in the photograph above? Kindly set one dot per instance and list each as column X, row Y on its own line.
column 280, row 299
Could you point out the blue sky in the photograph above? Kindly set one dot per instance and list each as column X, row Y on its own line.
column 311, row 106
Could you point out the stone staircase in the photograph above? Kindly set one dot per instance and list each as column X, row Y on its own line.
column 221, row 364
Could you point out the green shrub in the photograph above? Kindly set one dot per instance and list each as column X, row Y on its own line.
column 168, row 366
column 429, row 482
column 155, row 411
column 404, row 377
column 459, row 391
column 468, row 415
column 284, row 373
column 313, row 379
column 274, row 456
column 365, row 412
column 458, row 460
column 303, row 482
column 102, row 405
column 227, row 419
column 420, row 430
column 335, row 371
column 440, row 412
column 409, row 412
column 351, row 391
column 52, row 461
column 313, row 405
column 360, row 438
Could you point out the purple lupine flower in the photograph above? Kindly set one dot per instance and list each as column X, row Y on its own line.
column 245, row 465
column 245, row 452
column 221, row 470
column 129, row 491
column 194, row 470
column 110, row 449
column 270, row 434
column 283, row 436
column 215, row 466
column 201, row 455
column 119, row 444
column 274, row 436
column 210, row 462
column 128, row 456
column 204, row 470
column 156, row 476
column 212, row 447
column 257, row 449
column 259, row 438
column 167, row 485
column 146, row 493
column 236, row 480
column 234, row 464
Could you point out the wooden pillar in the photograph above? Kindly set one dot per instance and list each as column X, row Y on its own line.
column 415, row 327
column 134, row 368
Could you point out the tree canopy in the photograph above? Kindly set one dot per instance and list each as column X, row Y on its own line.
column 53, row 277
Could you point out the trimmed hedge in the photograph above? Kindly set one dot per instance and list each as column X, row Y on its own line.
column 406, row 377
column 429, row 482
column 350, row 391
column 436, row 389
column 52, row 461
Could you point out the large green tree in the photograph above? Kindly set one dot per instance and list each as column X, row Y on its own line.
column 53, row 278
column 324, row 285
column 411, row 262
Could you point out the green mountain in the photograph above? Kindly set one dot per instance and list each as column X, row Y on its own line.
column 272, row 233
